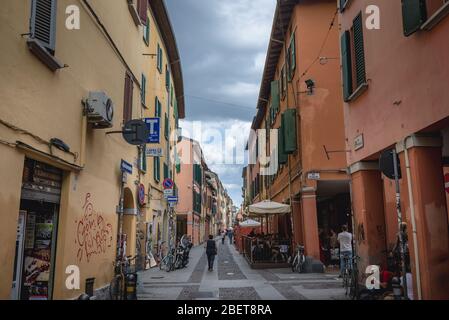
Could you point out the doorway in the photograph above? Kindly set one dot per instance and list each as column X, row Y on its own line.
column 37, row 232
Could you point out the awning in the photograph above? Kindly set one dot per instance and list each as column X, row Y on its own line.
column 250, row 223
column 268, row 207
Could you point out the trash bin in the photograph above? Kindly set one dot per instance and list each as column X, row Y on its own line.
column 90, row 286
column 131, row 286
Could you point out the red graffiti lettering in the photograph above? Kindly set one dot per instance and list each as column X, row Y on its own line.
column 93, row 233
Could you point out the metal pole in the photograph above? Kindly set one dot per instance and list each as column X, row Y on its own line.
column 399, row 213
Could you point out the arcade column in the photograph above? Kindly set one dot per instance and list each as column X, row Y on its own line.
column 430, row 214
column 310, row 224
column 368, row 207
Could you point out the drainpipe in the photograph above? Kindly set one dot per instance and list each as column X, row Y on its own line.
column 412, row 214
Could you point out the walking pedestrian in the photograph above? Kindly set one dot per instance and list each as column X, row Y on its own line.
column 345, row 240
column 211, row 252
column 223, row 236
column 230, row 235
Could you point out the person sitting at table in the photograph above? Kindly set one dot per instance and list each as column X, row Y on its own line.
column 252, row 234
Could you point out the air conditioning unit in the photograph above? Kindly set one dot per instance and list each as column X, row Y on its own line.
column 99, row 110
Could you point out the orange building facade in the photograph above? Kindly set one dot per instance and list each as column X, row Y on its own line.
column 395, row 87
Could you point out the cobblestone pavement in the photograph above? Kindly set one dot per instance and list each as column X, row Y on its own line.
column 233, row 279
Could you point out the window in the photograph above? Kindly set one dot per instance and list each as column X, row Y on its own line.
column 167, row 78
column 143, row 90
column 142, row 9
column 353, row 61
column 157, row 108
column 197, row 174
column 128, row 96
column 422, row 14
column 166, row 173
column 42, row 41
column 291, row 56
column 289, row 130
column 166, row 127
column 146, row 32
column 143, row 159
column 275, row 98
column 157, row 169
column 159, row 58
column 171, row 95
column 283, row 82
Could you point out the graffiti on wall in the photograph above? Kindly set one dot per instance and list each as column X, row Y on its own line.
column 93, row 232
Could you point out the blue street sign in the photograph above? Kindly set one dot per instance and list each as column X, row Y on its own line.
column 126, row 167
column 172, row 199
column 154, row 126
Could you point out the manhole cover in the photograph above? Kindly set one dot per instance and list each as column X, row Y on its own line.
column 157, row 277
column 230, row 273
column 226, row 262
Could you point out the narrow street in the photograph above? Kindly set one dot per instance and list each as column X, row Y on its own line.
column 233, row 279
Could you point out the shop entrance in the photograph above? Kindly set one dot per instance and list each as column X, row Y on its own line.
column 37, row 232
column 334, row 211
column 181, row 225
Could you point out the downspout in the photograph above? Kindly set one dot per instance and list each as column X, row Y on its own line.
column 412, row 214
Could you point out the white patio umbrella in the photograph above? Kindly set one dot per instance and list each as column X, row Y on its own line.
column 250, row 223
column 268, row 208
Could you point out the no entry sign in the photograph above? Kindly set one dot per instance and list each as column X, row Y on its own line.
column 446, row 182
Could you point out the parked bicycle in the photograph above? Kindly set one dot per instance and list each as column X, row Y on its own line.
column 168, row 262
column 350, row 277
column 299, row 260
column 122, row 267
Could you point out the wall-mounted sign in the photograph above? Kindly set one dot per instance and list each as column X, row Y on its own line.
column 168, row 193
column 126, row 167
column 313, row 176
column 172, row 199
column 358, row 142
column 154, row 152
column 154, row 128
column 135, row 132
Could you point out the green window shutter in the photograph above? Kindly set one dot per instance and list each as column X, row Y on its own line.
column 175, row 107
column 359, row 51
column 165, row 171
column 43, row 23
column 343, row 5
column 167, row 78
column 143, row 159
column 282, row 156
column 292, row 50
column 146, row 34
column 414, row 14
column 346, row 65
column 289, row 128
column 166, row 128
column 171, row 95
column 156, row 169
column 275, row 99
column 143, row 90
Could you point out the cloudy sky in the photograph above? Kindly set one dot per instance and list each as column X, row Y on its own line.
column 223, row 46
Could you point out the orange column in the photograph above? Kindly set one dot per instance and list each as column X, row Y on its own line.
column 431, row 220
column 369, row 228
column 310, row 225
column 297, row 222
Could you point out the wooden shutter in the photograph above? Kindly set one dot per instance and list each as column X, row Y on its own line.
column 166, row 128
column 143, row 159
column 414, row 14
column 289, row 126
column 143, row 90
column 292, row 56
column 165, row 171
column 343, row 5
column 43, row 23
column 142, row 8
column 346, row 65
column 128, row 102
column 275, row 98
column 146, row 35
column 282, row 156
column 167, row 78
column 359, row 51
column 156, row 169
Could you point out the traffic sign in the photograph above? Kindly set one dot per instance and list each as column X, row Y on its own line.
column 126, row 167
column 154, row 152
column 172, row 199
column 446, row 182
column 386, row 164
column 154, row 128
column 141, row 193
column 168, row 183
column 168, row 193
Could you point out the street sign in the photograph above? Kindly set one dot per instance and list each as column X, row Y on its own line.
column 386, row 164
column 154, row 128
column 313, row 176
column 141, row 193
column 172, row 199
column 168, row 193
column 135, row 132
column 126, row 167
column 168, row 183
column 154, row 152
column 446, row 182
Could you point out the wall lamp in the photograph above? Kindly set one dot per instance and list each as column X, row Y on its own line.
column 310, row 86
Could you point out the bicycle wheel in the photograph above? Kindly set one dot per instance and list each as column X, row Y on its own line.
column 294, row 264
column 168, row 264
column 302, row 261
column 116, row 288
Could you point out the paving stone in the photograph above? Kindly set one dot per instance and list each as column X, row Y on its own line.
column 242, row 293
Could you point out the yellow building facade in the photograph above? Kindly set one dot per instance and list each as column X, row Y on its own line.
column 61, row 165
